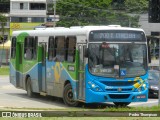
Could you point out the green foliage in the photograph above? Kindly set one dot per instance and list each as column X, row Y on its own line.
column 91, row 12
column 136, row 6
column 98, row 12
column 3, row 21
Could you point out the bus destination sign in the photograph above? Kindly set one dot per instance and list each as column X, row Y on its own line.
column 116, row 36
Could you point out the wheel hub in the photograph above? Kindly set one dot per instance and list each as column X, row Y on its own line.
column 70, row 95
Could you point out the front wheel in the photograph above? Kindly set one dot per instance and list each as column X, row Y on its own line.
column 68, row 96
column 122, row 104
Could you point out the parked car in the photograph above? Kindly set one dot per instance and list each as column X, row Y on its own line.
column 153, row 83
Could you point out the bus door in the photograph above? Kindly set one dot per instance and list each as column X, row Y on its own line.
column 43, row 68
column 19, row 64
column 81, row 72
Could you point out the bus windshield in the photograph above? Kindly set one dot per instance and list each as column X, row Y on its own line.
column 117, row 59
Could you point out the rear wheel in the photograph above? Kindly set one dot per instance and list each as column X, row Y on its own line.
column 122, row 104
column 68, row 96
column 29, row 88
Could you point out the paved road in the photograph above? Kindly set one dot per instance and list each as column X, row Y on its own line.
column 13, row 97
column 17, row 98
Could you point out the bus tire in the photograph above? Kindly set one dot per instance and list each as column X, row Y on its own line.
column 29, row 88
column 68, row 96
column 121, row 104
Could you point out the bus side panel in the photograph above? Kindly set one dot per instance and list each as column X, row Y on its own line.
column 12, row 72
column 55, row 78
column 31, row 70
column 39, row 69
column 19, row 64
column 16, row 64
column 56, row 75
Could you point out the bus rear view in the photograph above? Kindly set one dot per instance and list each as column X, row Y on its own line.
column 117, row 67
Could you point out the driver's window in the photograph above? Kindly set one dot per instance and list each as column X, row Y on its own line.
column 138, row 53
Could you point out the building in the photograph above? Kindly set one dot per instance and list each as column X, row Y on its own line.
column 148, row 27
column 151, row 29
column 26, row 14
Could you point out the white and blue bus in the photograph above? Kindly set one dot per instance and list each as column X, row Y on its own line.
column 90, row 64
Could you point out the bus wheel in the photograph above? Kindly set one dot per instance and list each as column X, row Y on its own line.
column 68, row 96
column 121, row 104
column 29, row 87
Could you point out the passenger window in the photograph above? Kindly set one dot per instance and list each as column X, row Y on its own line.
column 60, row 49
column 30, row 48
column 51, row 48
column 35, row 44
column 13, row 47
column 71, row 49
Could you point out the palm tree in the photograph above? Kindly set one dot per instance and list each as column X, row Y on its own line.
column 3, row 20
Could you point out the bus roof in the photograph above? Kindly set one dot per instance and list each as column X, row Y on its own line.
column 74, row 30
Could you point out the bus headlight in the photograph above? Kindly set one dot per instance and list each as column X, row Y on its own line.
column 144, row 85
column 94, row 87
column 141, row 88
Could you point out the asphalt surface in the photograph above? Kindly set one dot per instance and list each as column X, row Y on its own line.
column 11, row 97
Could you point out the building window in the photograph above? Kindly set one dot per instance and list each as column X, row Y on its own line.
column 13, row 47
column 21, row 6
column 23, row 19
column 37, row 19
column 19, row 19
column 30, row 48
column 37, row 6
column 71, row 48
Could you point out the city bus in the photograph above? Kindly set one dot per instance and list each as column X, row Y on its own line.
column 90, row 64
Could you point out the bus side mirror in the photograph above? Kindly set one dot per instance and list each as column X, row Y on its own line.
column 86, row 52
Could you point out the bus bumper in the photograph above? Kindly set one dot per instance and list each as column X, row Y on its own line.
column 94, row 97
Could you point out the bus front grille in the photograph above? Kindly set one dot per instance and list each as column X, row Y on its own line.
column 119, row 83
column 117, row 96
column 123, row 89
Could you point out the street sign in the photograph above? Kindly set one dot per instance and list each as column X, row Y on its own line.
column 122, row 72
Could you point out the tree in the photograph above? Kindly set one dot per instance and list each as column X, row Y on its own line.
column 91, row 12
column 136, row 6
column 3, row 21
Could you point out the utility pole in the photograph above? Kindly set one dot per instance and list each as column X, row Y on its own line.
column 159, row 75
column 54, row 1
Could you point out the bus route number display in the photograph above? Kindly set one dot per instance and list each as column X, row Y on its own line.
column 116, row 35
